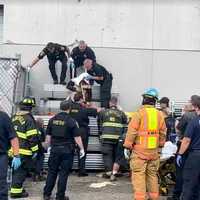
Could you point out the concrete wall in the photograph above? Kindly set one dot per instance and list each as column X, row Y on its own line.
column 140, row 41
column 115, row 23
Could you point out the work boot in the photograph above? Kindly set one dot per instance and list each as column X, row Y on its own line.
column 55, row 82
column 45, row 197
column 24, row 194
column 38, row 178
column 113, row 177
column 63, row 83
column 64, row 198
column 82, row 174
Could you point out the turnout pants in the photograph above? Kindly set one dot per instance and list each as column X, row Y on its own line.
column 19, row 177
column 52, row 68
column 3, row 177
column 191, row 177
column 60, row 164
column 85, row 137
column 105, row 91
column 145, row 178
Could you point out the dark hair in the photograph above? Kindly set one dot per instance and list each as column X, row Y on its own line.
column 113, row 100
column 195, row 100
column 78, row 96
column 148, row 100
column 65, row 105
column 164, row 100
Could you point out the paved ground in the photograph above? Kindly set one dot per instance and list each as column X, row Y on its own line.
column 79, row 189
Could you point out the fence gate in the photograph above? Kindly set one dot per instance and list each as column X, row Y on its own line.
column 11, row 83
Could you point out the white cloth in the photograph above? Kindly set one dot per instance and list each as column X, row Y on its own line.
column 168, row 150
column 81, row 77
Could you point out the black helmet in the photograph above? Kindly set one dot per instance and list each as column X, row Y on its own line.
column 28, row 101
column 65, row 105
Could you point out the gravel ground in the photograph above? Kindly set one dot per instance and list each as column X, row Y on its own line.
column 79, row 188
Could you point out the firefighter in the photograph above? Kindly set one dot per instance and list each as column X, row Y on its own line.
column 25, row 126
column 146, row 134
column 81, row 114
column 54, row 52
column 111, row 123
column 61, row 132
column 79, row 54
column 100, row 75
column 8, row 136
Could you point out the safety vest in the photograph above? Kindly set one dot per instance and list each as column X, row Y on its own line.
column 148, row 133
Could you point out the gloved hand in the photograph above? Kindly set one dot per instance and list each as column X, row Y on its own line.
column 89, row 77
column 179, row 160
column 127, row 154
column 82, row 153
column 16, row 162
column 71, row 60
column 34, row 155
column 28, row 68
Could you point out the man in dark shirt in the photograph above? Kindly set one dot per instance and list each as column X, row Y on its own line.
column 7, row 136
column 102, row 77
column 191, row 171
column 61, row 132
column 189, row 114
column 55, row 52
column 81, row 114
column 80, row 53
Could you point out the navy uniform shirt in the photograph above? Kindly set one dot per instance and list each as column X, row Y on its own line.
column 58, row 53
column 62, row 128
column 193, row 132
column 98, row 70
column 7, row 132
column 80, row 56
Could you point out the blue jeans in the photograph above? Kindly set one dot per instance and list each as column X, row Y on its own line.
column 3, row 177
column 60, row 164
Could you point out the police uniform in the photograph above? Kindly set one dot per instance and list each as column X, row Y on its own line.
column 106, row 83
column 57, row 54
column 146, row 133
column 26, row 129
column 62, row 129
column 81, row 114
column 191, row 171
column 112, row 123
column 7, row 133
column 79, row 57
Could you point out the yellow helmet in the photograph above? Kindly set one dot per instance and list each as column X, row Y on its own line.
column 28, row 101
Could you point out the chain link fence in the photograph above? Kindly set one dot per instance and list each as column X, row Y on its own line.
column 12, row 81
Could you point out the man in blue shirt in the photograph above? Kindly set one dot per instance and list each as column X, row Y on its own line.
column 191, row 171
column 7, row 137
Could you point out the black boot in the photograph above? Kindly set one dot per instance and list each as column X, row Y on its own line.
column 24, row 194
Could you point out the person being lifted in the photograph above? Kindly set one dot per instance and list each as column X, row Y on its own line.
column 54, row 52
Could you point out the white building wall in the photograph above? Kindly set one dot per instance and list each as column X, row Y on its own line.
column 122, row 33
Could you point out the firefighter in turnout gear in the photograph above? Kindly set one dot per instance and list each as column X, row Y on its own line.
column 111, row 123
column 25, row 127
column 146, row 135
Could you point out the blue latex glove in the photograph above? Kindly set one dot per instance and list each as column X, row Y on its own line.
column 34, row 155
column 179, row 160
column 16, row 162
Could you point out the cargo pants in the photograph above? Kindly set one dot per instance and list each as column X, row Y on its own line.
column 144, row 178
